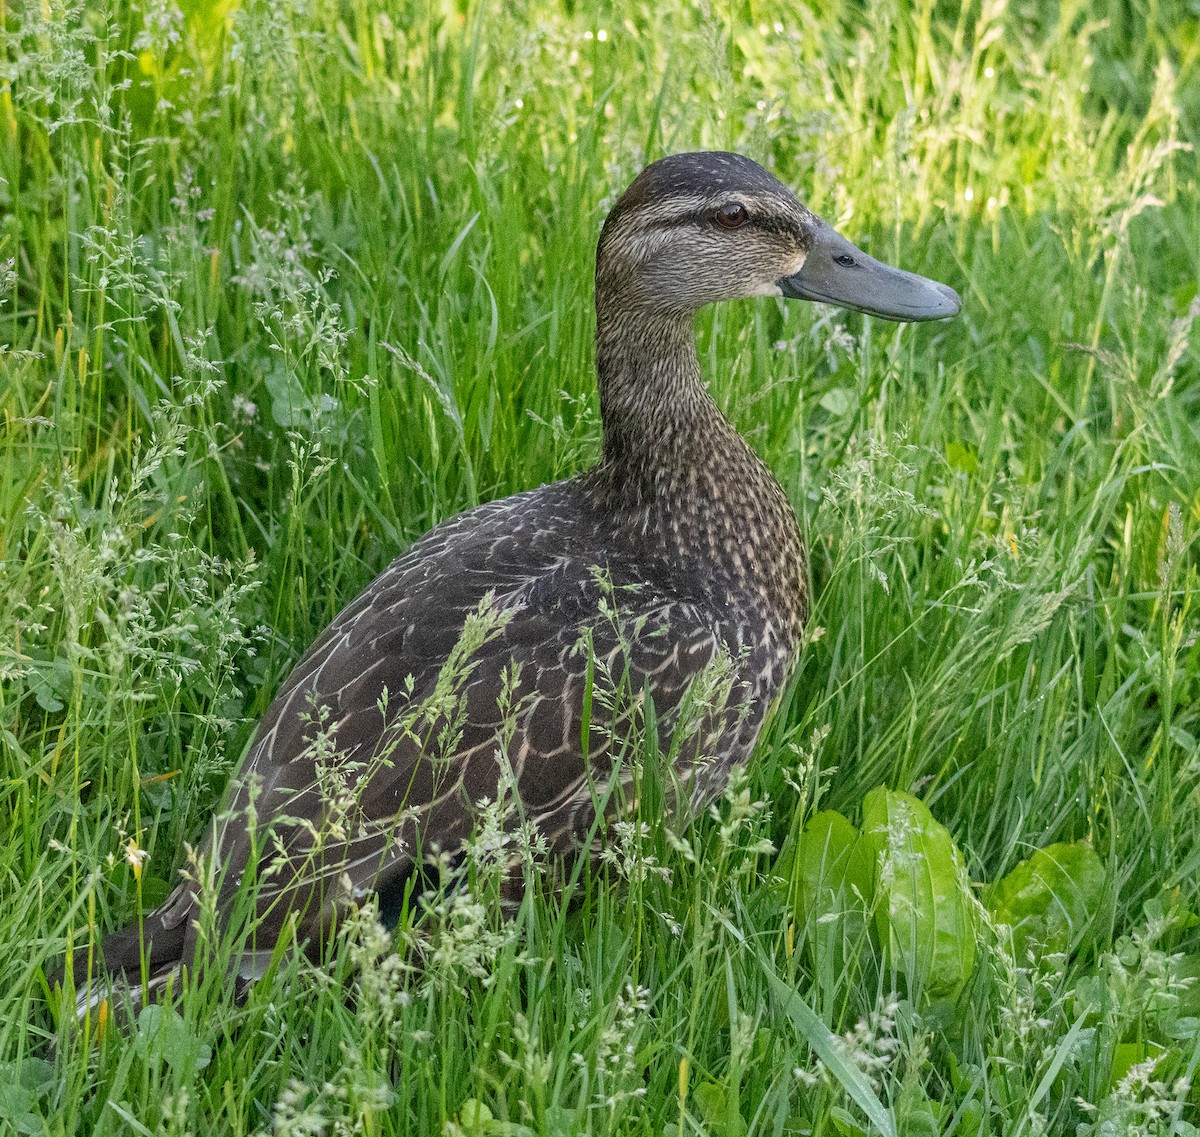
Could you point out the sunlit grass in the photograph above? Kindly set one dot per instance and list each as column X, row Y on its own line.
column 284, row 284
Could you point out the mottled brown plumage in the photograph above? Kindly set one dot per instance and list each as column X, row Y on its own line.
column 680, row 529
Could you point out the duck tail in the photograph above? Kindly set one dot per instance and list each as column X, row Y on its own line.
column 122, row 987
column 159, row 940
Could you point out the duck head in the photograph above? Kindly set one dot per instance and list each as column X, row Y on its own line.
column 694, row 229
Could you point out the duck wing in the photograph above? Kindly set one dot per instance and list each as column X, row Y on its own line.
column 505, row 641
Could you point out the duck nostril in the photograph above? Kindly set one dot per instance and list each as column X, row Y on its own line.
column 845, row 260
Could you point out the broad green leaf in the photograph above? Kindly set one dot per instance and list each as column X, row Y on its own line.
column 971, row 1119
column 474, row 1118
column 22, row 1085
column 917, row 1114
column 836, row 867
column 294, row 409
column 845, row 1125
column 1126, row 1055
column 17, row 1110
column 834, row 874
column 962, row 458
column 162, row 1033
column 1050, row 898
column 923, row 912
column 50, row 681
column 1186, row 973
column 714, row 1109
column 155, row 890
column 838, row 400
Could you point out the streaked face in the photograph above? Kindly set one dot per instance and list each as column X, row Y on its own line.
column 694, row 229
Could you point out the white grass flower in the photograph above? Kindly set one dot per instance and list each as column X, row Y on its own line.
column 136, row 857
column 614, row 1056
column 627, row 855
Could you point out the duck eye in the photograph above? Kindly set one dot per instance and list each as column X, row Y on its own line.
column 731, row 215
column 845, row 260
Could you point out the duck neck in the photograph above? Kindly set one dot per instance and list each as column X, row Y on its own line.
column 658, row 416
column 677, row 474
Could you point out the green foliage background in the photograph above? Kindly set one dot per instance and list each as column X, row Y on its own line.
column 287, row 282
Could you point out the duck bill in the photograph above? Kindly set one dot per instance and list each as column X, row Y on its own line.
column 836, row 272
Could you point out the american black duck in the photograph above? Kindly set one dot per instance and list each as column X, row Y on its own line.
column 680, row 529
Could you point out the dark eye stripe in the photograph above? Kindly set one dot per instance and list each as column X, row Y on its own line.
column 768, row 221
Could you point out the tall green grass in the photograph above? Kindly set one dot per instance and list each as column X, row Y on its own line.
column 285, row 283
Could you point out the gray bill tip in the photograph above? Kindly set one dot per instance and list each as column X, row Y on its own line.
column 837, row 272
